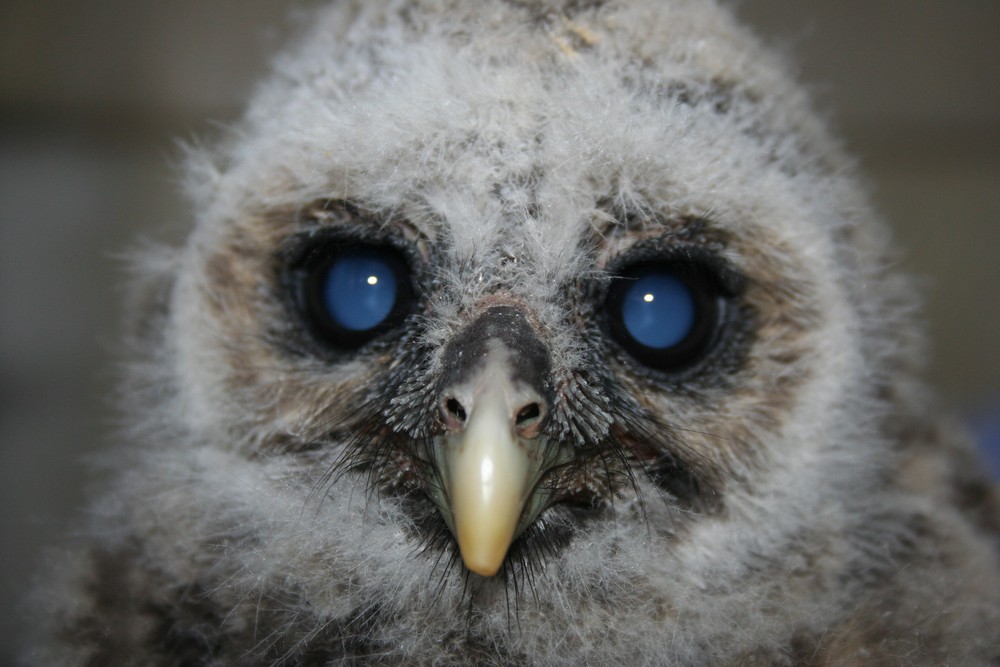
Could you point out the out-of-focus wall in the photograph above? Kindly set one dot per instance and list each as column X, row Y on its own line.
column 93, row 95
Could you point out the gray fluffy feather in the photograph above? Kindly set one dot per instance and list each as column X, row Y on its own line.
column 518, row 148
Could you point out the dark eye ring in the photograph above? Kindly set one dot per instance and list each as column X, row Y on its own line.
column 666, row 314
column 352, row 294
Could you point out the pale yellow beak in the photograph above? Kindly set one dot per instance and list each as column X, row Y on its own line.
column 489, row 479
column 489, row 473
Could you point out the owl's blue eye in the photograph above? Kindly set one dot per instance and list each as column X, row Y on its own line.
column 664, row 314
column 359, row 290
column 658, row 310
column 357, row 293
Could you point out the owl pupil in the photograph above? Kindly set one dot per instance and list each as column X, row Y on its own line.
column 658, row 310
column 354, row 293
column 360, row 290
column 663, row 313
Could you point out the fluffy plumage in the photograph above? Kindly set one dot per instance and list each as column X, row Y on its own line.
column 785, row 496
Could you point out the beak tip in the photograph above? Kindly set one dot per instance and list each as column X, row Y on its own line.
column 485, row 565
column 483, row 547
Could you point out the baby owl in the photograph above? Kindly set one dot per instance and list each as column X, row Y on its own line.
column 529, row 332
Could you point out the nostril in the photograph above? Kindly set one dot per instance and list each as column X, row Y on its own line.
column 455, row 410
column 527, row 414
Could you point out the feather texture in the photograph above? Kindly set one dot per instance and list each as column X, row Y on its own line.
column 791, row 498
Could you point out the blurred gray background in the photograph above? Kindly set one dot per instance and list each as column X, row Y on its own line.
column 93, row 96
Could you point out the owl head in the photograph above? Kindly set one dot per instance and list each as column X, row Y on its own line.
column 574, row 304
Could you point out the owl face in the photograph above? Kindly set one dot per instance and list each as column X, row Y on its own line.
column 529, row 333
column 519, row 289
column 525, row 292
